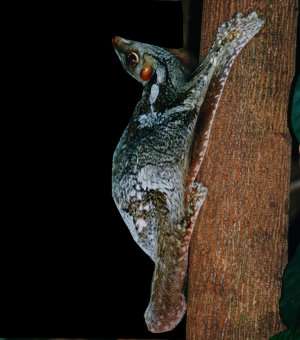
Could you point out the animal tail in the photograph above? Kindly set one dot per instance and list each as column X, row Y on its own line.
column 167, row 303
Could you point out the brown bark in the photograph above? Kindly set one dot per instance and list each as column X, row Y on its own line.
column 239, row 246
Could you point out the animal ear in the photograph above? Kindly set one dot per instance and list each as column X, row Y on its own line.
column 187, row 59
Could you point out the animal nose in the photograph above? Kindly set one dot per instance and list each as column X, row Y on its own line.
column 116, row 40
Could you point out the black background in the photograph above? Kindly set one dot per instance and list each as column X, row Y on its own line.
column 69, row 266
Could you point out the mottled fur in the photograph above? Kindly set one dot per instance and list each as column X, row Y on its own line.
column 158, row 157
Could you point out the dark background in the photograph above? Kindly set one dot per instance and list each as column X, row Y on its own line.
column 68, row 264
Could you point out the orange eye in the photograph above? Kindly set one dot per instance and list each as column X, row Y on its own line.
column 146, row 73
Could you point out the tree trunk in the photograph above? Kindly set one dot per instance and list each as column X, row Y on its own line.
column 239, row 246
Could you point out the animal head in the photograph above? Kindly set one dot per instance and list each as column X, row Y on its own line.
column 146, row 62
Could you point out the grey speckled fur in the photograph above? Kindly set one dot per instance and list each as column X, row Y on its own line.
column 156, row 161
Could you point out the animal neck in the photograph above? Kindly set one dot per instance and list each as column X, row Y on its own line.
column 159, row 95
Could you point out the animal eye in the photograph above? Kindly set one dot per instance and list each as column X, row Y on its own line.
column 132, row 58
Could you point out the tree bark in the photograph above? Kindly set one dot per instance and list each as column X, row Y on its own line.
column 239, row 245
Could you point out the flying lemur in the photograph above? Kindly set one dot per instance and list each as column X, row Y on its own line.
column 159, row 155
